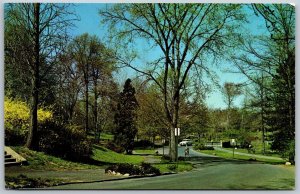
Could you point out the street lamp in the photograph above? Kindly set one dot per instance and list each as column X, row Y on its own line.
column 233, row 143
column 177, row 134
column 163, row 144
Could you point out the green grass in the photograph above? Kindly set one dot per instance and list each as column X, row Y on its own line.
column 169, row 167
column 107, row 156
column 240, row 157
column 106, row 136
column 145, row 151
column 256, row 152
column 40, row 160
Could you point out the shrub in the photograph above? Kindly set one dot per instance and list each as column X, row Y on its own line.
column 290, row 152
column 16, row 117
column 201, row 146
column 165, row 157
column 172, row 167
column 68, row 142
column 148, row 169
column 112, row 146
column 131, row 169
column 143, row 144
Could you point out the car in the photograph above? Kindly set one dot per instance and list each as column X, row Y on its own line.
column 186, row 142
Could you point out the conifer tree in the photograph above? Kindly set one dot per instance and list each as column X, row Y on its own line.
column 125, row 118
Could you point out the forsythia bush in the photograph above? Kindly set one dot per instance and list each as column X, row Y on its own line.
column 16, row 120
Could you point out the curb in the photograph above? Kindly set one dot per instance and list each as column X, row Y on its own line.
column 109, row 180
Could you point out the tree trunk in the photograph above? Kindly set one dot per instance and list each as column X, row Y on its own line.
column 97, row 133
column 32, row 139
column 86, row 105
column 174, row 139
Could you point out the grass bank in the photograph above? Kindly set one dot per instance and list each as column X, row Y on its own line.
column 41, row 161
column 228, row 155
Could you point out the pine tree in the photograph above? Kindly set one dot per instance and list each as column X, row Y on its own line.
column 125, row 118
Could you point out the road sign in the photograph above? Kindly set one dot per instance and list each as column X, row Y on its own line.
column 177, row 131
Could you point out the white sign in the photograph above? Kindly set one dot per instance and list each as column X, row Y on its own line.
column 177, row 131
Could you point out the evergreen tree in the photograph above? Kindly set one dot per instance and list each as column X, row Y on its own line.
column 125, row 118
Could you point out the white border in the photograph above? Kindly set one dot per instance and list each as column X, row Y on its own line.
column 2, row 189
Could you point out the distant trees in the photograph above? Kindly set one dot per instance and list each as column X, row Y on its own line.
column 125, row 118
column 95, row 63
column 230, row 92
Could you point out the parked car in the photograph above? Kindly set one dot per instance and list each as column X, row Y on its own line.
column 185, row 142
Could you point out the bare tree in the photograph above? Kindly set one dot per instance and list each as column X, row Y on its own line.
column 186, row 34
column 230, row 92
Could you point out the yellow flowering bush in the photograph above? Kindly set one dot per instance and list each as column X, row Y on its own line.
column 17, row 118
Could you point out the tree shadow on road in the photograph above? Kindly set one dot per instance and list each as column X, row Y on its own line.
column 213, row 161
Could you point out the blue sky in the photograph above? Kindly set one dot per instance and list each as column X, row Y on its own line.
column 90, row 23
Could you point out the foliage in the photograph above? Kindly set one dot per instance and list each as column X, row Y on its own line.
column 131, row 169
column 16, row 118
column 143, row 144
column 201, row 146
column 112, row 146
column 125, row 118
column 172, row 167
column 290, row 154
column 68, row 142
column 269, row 62
column 35, row 36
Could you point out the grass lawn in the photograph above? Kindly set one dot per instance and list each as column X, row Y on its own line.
column 256, row 152
column 240, row 157
column 173, row 167
column 105, row 155
column 106, row 136
column 145, row 151
column 40, row 160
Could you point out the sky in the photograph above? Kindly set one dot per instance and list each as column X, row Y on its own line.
column 90, row 23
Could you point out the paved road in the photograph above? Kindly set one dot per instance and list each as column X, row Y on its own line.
column 181, row 149
column 211, row 173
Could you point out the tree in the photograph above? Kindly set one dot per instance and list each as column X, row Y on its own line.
column 186, row 34
column 101, row 68
column 125, row 118
column 274, row 55
column 85, row 52
column 230, row 92
column 40, row 34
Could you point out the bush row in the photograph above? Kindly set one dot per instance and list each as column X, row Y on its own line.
column 201, row 146
column 131, row 169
